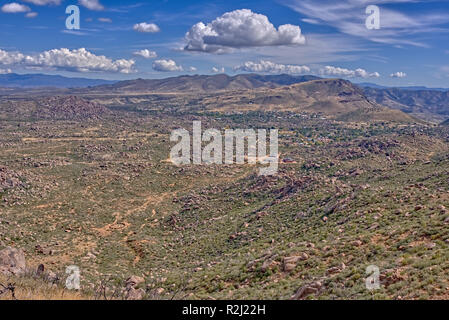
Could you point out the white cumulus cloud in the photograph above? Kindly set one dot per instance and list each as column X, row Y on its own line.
column 15, row 7
column 146, row 27
column 92, row 4
column 218, row 70
column 342, row 72
column 264, row 66
column 166, row 65
column 192, row 69
column 398, row 74
column 239, row 29
column 145, row 53
column 80, row 60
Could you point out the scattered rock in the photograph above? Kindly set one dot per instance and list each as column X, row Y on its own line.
column 12, row 261
column 70, row 108
column 290, row 262
column 334, row 270
column 52, row 277
column 390, row 276
column 268, row 264
column 430, row 245
column 304, row 291
column 357, row 243
column 44, row 251
column 135, row 294
column 40, row 270
column 133, row 282
column 374, row 226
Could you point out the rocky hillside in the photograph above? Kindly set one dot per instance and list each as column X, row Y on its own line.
column 69, row 108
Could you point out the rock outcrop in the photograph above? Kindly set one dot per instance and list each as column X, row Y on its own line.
column 12, row 261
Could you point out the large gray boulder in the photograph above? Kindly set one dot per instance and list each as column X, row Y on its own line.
column 12, row 261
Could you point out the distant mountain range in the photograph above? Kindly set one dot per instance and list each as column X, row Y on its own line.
column 411, row 88
column 431, row 104
column 13, row 80
column 204, row 83
column 181, row 83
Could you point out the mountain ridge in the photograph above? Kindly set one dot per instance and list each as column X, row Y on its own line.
column 204, row 83
column 14, row 80
column 430, row 105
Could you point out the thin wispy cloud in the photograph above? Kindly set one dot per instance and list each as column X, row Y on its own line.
column 43, row 2
column 106, row 20
column 92, row 4
column 348, row 17
column 31, row 15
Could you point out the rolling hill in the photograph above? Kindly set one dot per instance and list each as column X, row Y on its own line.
column 334, row 98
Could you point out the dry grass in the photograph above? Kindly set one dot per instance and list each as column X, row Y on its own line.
column 31, row 288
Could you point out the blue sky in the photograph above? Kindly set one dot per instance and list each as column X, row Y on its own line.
column 156, row 39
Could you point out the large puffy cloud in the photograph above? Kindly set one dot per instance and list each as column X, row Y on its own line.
column 146, row 27
column 11, row 58
column 240, row 29
column 342, row 72
column 43, row 2
column 145, row 53
column 264, row 66
column 79, row 60
column 92, row 4
column 166, row 65
column 398, row 74
column 15, row 8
